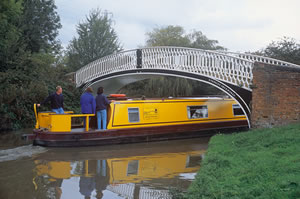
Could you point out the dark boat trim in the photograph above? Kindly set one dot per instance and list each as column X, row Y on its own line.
column 178, row 122
column 131, row 135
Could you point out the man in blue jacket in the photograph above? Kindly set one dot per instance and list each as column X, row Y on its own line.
column 87, row 102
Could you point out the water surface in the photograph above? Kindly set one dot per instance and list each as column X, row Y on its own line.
column 143, row 170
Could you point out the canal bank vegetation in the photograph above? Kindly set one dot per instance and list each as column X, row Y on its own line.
column 261, row 163
column 31, row 64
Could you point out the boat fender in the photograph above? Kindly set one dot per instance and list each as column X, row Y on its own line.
column 117, row 95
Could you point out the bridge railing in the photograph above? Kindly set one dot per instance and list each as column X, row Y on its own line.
column 232, row 69
column 224, row 67
column 125, row 60
column 262, row 59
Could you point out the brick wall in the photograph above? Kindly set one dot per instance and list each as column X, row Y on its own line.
column 276, row 95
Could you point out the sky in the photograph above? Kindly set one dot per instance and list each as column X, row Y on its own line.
column 238, row 25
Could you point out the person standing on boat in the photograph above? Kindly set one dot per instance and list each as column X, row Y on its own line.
column 88, row 103
column 101, row 104
column 57, row 101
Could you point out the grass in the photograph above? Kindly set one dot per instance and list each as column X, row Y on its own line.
column 261, row 163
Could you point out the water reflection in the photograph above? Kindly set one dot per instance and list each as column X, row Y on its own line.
column 146, row 170
column 117, row 175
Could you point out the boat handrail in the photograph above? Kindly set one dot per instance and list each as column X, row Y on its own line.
column 36, row 117
column 70, row 113
column 87, row 121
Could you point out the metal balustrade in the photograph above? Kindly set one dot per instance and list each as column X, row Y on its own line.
column 261, row 59
column 234, row 68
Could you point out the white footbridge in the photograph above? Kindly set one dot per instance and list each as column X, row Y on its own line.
column 230, row 72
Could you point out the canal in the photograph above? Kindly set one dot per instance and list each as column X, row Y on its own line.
column 141, row 170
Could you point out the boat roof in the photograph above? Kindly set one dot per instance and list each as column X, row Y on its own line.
column 183, row 98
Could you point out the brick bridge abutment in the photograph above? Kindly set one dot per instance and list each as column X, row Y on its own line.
column 275, row 95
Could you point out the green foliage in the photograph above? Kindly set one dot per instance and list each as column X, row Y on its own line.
column 176, row 87
column 40, row 24
column 30, row 84
column 175, row 36
column 260, row 163
column 158, row 87
column 10, row 34
column 199, row 40
column 96, row 39
column 29, row 67
column 286, row 49
column 26, row 27
column 19, row 92
column 168, row 36
column 166, row 86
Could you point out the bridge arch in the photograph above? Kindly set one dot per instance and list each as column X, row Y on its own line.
column 242, row 96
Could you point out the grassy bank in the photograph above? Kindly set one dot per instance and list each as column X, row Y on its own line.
column 262, row 163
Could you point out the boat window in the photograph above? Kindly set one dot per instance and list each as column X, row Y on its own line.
column 195, row 112
column 133, row 167
column 237, row 110
column 133, row 114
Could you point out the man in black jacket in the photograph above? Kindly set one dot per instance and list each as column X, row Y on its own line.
column 57, row 101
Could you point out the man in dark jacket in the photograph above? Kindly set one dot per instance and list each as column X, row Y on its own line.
column 101, row 105
column 57, row 101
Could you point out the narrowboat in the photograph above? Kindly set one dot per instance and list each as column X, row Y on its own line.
column 140, row 120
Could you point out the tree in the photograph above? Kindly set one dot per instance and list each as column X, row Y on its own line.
column 10, row 33
column 27, row 56
column 286, row 49
column 26, row 27
column 199, row 40
column 166, row 86
column 175, row 36
column 152, row 87
column 167, row 36
column 96, row 39
column 40, row 26
column 24, row 86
